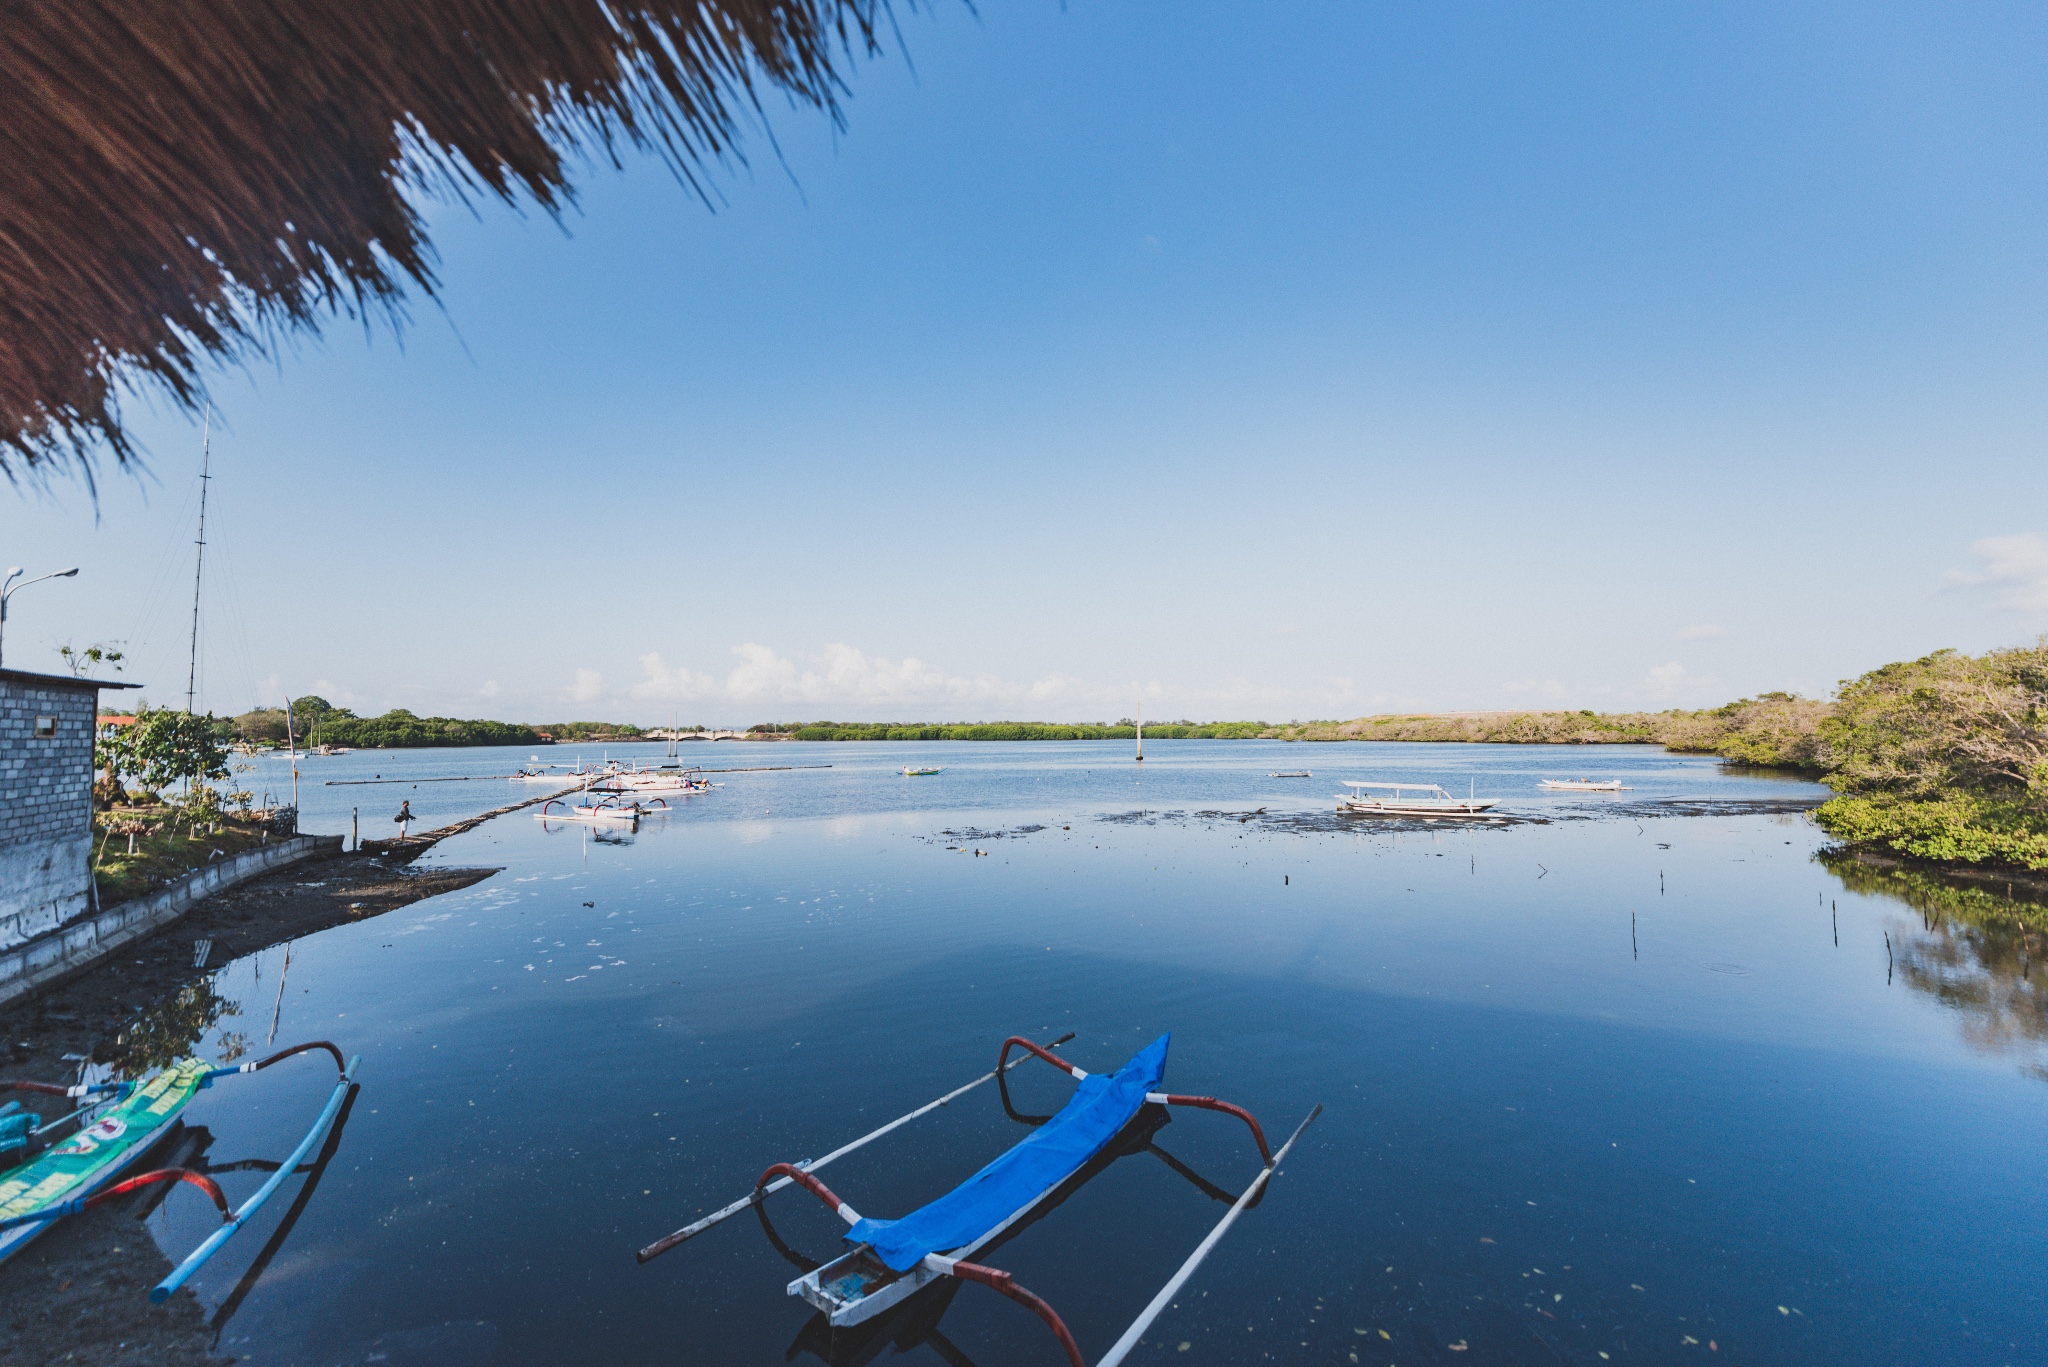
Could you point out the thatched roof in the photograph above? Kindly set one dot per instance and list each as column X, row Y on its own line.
column 185, row 179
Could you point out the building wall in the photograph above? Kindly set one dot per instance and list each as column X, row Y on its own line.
column 45, row 807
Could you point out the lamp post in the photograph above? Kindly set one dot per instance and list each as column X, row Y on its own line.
column 8, row 588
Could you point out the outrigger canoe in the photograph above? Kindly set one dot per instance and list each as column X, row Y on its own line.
column 608, row 810
column 893, row 1259
column 84, row 1170
column 1435, row 803
column 908, row 772
column 686, row 783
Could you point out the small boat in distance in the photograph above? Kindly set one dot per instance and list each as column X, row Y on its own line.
column 1291, row 773
column 1584, row 785
column 909, row 772
column 1433, row 802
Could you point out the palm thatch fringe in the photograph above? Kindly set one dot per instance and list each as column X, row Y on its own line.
column 183, row 180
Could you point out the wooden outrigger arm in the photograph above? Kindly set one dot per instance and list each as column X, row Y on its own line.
column 754, row 1197
column 58, row 1210
column 1122, row 1347
column 1207, row 1103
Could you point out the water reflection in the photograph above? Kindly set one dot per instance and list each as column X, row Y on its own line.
column 170, row 1029
column 1974, row 952
column 190, row 1146
column 314, row 1171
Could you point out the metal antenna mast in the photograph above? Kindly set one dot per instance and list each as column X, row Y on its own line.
column 199, row 564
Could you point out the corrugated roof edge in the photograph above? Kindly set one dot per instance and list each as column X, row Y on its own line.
column 61, row 680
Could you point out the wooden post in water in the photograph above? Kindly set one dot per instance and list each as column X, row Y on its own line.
column 355, row 835
column 1141, row 733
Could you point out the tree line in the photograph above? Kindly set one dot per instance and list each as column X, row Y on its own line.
column 1019, row 730
column 315, row 722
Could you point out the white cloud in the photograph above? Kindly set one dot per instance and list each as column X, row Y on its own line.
column 1701, row 632
column 589, row 685
column 1542, row 688
column 843, row 674
column 2016, row 566
column 489, row 690
column 664, row 684
column 336, row 694
column 843, row 679
column 1666, row 679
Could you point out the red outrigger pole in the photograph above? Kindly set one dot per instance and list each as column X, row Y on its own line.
column 892, row 1259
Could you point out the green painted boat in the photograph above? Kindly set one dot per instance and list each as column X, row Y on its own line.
column 98, row 1153
column 85, row 1169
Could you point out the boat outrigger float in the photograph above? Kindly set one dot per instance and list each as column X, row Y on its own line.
column 80, row 1172
column 892, row 1259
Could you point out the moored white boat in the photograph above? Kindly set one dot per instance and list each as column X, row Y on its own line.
column 1583, row 785
column 654, row 781
column 1433, row 802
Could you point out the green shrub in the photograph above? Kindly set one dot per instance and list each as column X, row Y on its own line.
column 1959, row 829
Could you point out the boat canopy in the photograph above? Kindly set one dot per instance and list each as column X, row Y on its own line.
column 1100, row 1106
column 1399, row 787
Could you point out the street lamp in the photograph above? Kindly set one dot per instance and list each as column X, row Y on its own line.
column 8, row 588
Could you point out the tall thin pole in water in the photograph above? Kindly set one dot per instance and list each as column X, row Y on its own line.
column 292, row 748
column 199, row 563
column 1141, row 732
column 278, row 1009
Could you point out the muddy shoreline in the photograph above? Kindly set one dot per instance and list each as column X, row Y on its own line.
column 84, row 1014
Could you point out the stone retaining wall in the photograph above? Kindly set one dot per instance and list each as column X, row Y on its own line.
column 26, row 968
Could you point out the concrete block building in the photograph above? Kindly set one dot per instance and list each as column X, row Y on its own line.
column 47, row 723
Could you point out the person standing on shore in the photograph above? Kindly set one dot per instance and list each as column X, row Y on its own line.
column 404, row 817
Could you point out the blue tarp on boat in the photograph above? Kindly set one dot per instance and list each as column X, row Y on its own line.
column 1101, row 1105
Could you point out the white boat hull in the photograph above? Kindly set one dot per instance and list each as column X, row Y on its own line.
column 1454, row 807
column 601, row 816
column 654, row 785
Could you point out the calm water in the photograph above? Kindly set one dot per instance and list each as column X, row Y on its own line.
column 1608, row 1086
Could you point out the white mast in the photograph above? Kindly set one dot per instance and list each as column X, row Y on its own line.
column 199, row 564
column 292, row 748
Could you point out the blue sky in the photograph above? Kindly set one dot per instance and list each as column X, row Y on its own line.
column 1284, row 361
